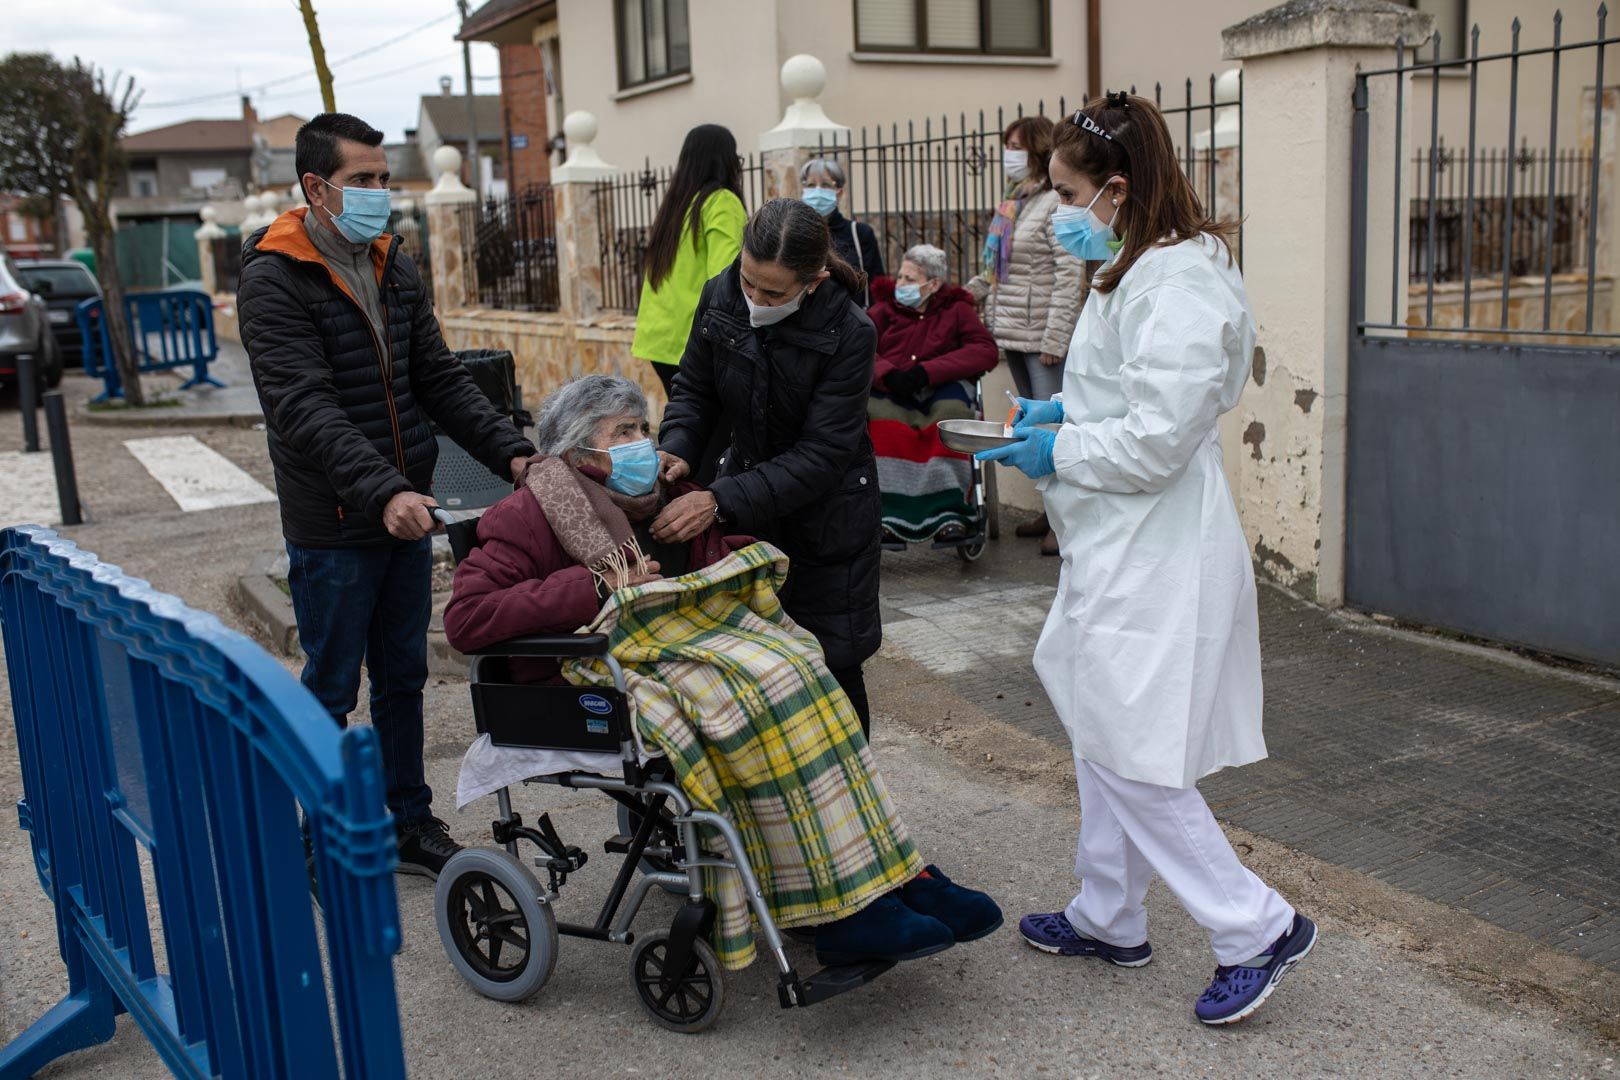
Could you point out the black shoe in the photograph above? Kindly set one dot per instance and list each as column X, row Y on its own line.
column 424, row 847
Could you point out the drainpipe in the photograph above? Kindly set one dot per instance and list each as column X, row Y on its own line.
column 476, row 171
column 1093, row 50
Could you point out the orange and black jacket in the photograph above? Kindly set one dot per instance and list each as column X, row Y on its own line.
column 346, row 411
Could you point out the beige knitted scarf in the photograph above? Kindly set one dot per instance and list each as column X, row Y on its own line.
column 590, row 521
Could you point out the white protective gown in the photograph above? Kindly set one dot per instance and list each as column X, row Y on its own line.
column 1151, row 653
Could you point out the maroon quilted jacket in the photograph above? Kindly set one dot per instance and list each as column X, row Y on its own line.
column 519, row 580
column 946, row 337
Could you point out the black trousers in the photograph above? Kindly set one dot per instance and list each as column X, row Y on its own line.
column 854, row 684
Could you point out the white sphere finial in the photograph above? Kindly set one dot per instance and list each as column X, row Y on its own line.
column 449, row 189
column 1226, row 87
column 580, row 128
column 447, row 160
column 251, row 205
column 208, row 214
column 803, row 77
column 584, row 164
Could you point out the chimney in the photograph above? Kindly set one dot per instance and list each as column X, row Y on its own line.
column 249, row 114
column 445, row 83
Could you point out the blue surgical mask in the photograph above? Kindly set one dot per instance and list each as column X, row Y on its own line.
column 909, row 293
column 365, row 213
column 822, row 200
column 635, row 467
column 1082, row 233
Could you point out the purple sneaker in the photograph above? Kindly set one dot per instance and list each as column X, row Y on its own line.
column 1052, row 933
column 1240, row 989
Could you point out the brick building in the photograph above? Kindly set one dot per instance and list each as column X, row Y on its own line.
column 523, row 107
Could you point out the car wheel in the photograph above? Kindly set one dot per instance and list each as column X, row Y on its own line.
column 50, row 368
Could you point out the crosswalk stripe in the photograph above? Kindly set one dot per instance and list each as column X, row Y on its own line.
column 196, row 476
column 27, row 489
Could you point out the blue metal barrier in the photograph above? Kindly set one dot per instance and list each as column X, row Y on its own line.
column 142, row 724
column 169, row 330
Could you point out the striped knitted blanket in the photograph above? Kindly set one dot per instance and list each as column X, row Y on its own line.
column 740, row 700
column 924, row 484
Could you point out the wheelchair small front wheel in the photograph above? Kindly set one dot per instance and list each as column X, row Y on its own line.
column 688, row 1002
column 971, row 552
column 495, row 928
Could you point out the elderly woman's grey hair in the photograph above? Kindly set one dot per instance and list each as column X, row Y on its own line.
column 569, row 417
column 822, row 166
column 929, row 259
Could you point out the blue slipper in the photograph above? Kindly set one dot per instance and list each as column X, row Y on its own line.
column 969, row 913
column 885, row 929
column 1052, row 933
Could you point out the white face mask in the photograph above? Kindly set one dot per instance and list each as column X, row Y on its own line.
column 1015, row 163
column 760, row 315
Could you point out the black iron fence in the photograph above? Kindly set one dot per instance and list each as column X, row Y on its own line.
column 1504, row 225
column 1551, row 203
column 935, row 182
column 939, row 183
column 513, row 241
column 626, row 206
column 410, row 224
column 227, row 261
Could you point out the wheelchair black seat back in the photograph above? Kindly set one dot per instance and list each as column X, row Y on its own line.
column 495, row 919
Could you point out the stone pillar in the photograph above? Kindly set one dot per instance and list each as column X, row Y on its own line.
column 1606, row 261
column 1299, row 66
column 805, row 131
column 579, row 225
column 449, row 244
column 206, row 234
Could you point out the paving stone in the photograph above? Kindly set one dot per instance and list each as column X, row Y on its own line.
column 1472, row 782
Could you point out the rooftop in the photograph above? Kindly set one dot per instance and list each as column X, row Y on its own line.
column 448, row 112
column 491, row 21
column 192, row 136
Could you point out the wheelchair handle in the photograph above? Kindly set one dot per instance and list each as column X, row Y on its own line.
column 442, row 516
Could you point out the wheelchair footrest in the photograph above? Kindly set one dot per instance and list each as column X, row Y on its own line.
column 829, row 983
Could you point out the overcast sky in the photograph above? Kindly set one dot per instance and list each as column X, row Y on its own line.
column 183, row 50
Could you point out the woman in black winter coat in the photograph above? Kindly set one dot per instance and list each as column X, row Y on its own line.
column 781, row 354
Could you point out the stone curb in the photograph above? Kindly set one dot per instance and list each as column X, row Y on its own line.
column 171, row 417
column 271, row 610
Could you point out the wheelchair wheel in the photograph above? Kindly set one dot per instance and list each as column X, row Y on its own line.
column 650, row 864
column 688, row 1003
column 971, row 552
column 495, row 929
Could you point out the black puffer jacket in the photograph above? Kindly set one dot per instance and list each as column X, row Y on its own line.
column 800, row 472
column 347, row 415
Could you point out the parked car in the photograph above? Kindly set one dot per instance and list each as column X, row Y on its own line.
column 25, row 327
column 64, row 283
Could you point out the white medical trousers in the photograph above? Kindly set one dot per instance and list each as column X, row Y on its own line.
column 1129, row 831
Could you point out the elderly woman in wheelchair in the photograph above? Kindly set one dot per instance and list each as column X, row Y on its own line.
column 668, row 677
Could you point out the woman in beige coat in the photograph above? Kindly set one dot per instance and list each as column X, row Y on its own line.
column 1033, row 288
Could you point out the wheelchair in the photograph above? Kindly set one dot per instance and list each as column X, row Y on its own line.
column 982, row 501
column 499, row 924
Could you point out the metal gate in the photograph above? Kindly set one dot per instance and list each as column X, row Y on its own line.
column 1483, row 467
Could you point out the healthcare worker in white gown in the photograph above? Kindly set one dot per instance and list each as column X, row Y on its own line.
column 1151, row 652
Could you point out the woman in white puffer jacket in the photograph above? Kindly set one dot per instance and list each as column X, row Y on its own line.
column 1032, row 288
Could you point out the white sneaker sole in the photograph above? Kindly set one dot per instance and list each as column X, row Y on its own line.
column 1057, row 951
column 1276, row 980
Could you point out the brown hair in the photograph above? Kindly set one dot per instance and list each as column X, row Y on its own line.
column 1162, row 207
column 1035, row 132
column 789, row 233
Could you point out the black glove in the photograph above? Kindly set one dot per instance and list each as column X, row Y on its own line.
column 909, row 381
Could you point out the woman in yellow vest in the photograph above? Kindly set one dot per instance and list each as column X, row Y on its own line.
column 696, row 235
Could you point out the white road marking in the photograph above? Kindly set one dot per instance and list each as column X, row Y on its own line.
column 27, row 489
column 198, row 477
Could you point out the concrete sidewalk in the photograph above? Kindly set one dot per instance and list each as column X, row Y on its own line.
column 1471, row 778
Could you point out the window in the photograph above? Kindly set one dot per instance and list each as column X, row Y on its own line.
column 18, row 228
column 962, row 27
column 655, row 41
column 207, row 178
column 1450, row 22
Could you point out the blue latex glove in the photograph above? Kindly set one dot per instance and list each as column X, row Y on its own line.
column 1031, row 454
column 1032, row 412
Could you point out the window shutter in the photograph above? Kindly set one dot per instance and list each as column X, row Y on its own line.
column 1016, row 25
column 890, row 24
column 953, row 24
column 632, row 36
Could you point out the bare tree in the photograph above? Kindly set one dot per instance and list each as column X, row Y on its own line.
column 60, row 126
column 323, row 74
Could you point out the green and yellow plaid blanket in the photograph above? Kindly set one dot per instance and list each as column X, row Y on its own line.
column 741, row 701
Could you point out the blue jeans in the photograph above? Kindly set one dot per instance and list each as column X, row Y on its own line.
column 371, row 604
